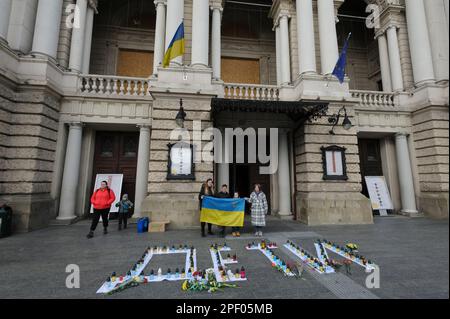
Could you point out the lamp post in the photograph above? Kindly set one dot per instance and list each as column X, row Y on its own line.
column 334, row 120
column 181, row 115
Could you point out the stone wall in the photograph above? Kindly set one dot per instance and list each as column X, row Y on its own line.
column 176, row 201
column 431, row 141
column 329, row 202
column 28, row 130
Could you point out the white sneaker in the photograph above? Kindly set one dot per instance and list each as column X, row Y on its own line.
column 257, row 234
column 260, row 234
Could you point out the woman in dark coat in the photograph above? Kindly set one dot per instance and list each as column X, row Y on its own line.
column 206, row 190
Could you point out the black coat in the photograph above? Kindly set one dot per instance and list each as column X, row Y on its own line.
column 223, row 195
column 204, row 193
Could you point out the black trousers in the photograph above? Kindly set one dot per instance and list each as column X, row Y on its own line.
column 123, row 217
column 203, row 227
column 97, row 213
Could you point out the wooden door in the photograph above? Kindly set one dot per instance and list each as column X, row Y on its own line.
column 135, row 63
column 116, row 153
column 238, row 70
column 370, row 160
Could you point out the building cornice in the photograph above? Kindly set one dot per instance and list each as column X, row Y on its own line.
column 280, row 8
column 390, row 16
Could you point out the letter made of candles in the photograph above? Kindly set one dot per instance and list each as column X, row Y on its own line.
column 221, row 275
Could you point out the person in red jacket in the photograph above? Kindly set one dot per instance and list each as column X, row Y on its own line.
column 102, row 200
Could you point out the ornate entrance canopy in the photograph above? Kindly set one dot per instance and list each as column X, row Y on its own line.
column 298, row 111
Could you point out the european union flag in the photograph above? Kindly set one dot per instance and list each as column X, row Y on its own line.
column 339, row 69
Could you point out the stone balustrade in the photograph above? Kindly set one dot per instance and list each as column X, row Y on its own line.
column 251, row 92
column 104, row 85
column 375, row 98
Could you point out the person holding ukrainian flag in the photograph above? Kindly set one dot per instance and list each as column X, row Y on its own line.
column 225, row 212
column 176, row 46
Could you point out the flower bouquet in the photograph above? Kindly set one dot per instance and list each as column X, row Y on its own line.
column 207, row 282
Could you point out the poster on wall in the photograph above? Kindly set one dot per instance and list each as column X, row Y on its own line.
column 334, row 164
column 181, row 162
column 379, row 194
column 114, row 183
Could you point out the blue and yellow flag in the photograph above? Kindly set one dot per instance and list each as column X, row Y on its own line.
column 223, row 211
column 176, row 46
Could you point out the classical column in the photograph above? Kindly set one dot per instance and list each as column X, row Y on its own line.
column 446, row 8
column 394, row 59
column 438, row 31
column 419, row 42
column 142, row 168
column 78, row 33
column 284, row 184
column 46, row 30
column 200, row 33
column 306, row 42
column 405, row 176
column 175, row 15
column 384, row 63
column 216, row 42
column 278, row 53
column 69, row 188
column 329, row 50
column 284, row 44
column 5, row 12
column 21, row 25
column 160, row 33
column 88, row 39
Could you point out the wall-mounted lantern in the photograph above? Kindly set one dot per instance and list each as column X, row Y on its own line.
column 181, row 115
column 334, row 120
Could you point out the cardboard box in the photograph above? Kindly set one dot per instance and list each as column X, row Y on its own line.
column 158, row 227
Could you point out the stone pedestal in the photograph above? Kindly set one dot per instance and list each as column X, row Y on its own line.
column 328, row 202
column 30, row 212
column 329, row 208
column 181, row 210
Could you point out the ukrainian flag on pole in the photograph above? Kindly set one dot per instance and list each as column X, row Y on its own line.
column 176, row 46
column 223, row 211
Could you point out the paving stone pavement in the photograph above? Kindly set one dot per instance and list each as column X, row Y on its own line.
column 412, row 255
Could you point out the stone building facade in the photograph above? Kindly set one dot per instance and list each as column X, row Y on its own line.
column 83, row 92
